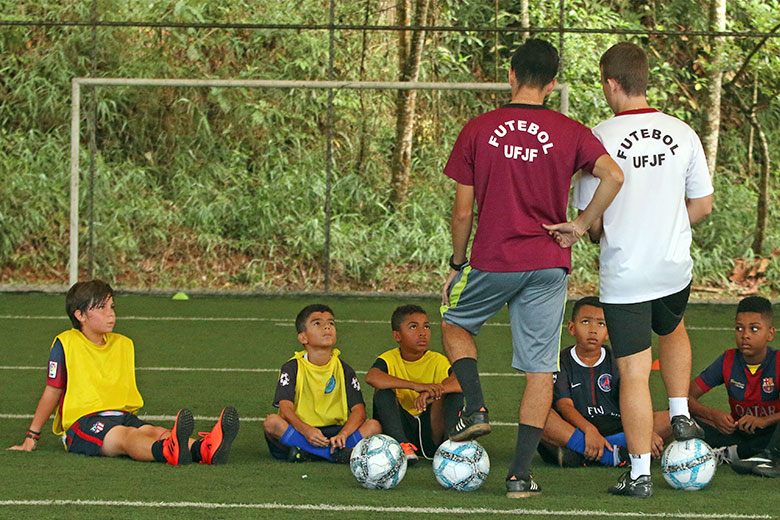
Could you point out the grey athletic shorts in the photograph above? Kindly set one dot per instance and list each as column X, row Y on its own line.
column 536, row 301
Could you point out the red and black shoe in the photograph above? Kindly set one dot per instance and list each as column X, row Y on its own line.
column 176, row 448
column 215, row 446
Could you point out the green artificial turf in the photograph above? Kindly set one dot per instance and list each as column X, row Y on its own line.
column 246, row 334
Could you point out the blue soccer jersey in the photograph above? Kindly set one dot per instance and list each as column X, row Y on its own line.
column 749, row 393
column 594, row 390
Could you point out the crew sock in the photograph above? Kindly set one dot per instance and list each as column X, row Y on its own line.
column 157, row 451
column 640, row 465
column 468, row 376
column 293, row 437
column 388, row 412
column 527, row 440
column 678, row 406
column 195, row 449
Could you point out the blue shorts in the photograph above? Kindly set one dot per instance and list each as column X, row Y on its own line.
column 536, row 301
column 86, row 435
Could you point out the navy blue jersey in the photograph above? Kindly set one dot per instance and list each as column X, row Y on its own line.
column 749, row 394
column 594, row 390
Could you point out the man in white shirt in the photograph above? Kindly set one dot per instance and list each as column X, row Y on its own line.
column 645, row 237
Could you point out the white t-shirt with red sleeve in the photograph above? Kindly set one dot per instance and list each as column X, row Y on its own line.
column 645, row 248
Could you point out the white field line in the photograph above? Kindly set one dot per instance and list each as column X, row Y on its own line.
column 377, row 509
column 255, row 370
column 276, row 321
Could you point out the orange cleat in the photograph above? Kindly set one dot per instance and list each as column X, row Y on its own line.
column 409, row 451
column 215, row 447
column 176, row 447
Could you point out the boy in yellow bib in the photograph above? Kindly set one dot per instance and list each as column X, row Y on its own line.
column 91, row 384
column 321, row 409
column 416, row 396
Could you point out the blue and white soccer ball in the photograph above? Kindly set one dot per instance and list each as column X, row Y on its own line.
column 378, row 462
column 461, row 465
column 688, row 465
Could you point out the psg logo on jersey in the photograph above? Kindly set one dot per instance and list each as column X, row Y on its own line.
column 605, row 382
column 768, row 385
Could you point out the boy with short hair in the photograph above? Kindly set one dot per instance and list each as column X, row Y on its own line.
column 585, row 423
column 321, row 409
column 751, row 372
column 416, row 397
column 91, row 384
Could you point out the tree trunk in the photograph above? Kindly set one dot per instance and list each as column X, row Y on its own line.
column 714, row 73
column 762, row 215
column 409, row 55
column 363, row 144
column 751, row 135
column 525, row 19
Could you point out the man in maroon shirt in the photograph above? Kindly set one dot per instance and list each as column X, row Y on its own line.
column 517, row 163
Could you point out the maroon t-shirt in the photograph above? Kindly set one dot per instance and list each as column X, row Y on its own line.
column 520, row 160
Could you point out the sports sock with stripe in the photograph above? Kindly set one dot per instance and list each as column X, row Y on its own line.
column 608, row 458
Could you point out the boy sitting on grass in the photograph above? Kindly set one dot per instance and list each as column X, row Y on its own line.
column 751, row 373
column 321, row 409
column 91, row 384
column 407, row 380
column 585, row 425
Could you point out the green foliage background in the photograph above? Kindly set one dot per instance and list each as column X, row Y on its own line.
column 222, row 188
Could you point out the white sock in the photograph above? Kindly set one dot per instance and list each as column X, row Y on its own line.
column 732, row 453
column 678, row 406
column 640, row 465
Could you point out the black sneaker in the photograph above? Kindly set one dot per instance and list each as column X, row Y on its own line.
column 519, row 488
column 297, row 455
column 768, row 469
column 341, row 456
column 746, row 466
column 684, row 428
column 641, row 487
column 471, row 426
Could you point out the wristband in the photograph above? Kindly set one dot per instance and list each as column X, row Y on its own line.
column 32, row 434
column 457, row 267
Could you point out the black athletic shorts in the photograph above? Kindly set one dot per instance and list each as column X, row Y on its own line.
column 630, row 325
column 86, row 435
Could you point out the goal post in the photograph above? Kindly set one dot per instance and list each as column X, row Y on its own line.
column 75, row 123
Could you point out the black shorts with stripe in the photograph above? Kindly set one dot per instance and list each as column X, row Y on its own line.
column 86, row 435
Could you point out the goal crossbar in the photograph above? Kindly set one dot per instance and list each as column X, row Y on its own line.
column 75, row 122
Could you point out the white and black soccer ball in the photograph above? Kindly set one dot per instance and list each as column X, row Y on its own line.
column 463, row 466
column 378, row 462
column 688, row 465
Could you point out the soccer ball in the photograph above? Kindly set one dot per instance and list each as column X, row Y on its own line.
column 378, row 462
column 688, row 465
column 461, row 465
